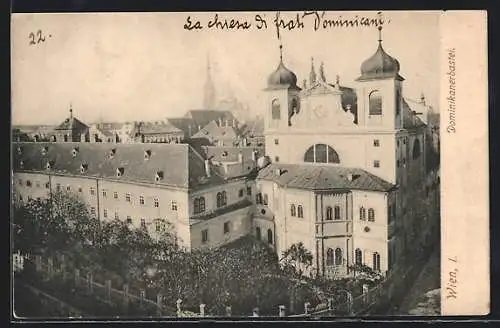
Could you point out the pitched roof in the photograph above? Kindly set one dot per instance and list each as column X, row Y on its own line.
column 71, row 123
column 183, row 123
column 214, row 131
column 180, row 164
column 230, row 154
column 323, row 177
column 158, row 128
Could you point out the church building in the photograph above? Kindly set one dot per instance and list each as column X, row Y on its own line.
column 343, row 162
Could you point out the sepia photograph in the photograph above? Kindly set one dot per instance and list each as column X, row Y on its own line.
column 234, row 164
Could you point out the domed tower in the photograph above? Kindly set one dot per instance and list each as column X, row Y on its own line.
column 379, row 90
column 282, row 100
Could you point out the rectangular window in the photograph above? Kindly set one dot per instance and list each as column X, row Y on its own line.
column 92, row 211
column 68, row 188
column 47, row 185
column 204, row 236
column 174, row 205
column 38, row 184
column 58, row 187
column 276, row 142
column 117, row 217
column 115, row 195
column 141, row 200
column 105, row 213
column 276, row 159
column 158, row 225
column 249, row 191
column 92, row 191
column 143, row 223
column 129, row 219
column 157, row 203
column 226, row 227
column 127, row 198
column 104, row 193
column 20, row 182
column 240, row 193
column 376, row 163
column 80, row 189
column 376, row 143
column 28, row 183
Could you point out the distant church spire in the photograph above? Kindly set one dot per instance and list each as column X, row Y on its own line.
column 70, row 110
column 209, row 92
column 322, row 72
column 312, row 74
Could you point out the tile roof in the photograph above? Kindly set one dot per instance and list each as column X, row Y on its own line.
column 180, row 164
column 410, row 120
column 204, row 116
column 323, row 177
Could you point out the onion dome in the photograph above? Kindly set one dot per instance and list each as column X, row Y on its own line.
column 380, row 64
column 282, row 75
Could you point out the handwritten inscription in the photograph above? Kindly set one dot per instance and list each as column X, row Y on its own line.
column 318, row 20
column 452, row 283
column 37, row 37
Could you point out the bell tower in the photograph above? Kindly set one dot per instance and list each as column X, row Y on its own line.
column 379, row 91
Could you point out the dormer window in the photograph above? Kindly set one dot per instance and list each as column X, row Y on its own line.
column 112, row 152
column 49, row 165
column 147, row 154
column 45, row 150
column 224, row 154
column 74, row 152
column 83, row 168
column 120, row 171
column 21, row 164
column 159, row 176
column 19, row 150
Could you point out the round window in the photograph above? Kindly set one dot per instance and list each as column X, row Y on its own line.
column 367, row 229
column 263, row 211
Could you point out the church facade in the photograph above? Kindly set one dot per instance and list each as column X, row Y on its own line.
column 342, row 163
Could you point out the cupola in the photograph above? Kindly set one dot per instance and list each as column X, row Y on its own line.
column 380, row 65
column 282, row 76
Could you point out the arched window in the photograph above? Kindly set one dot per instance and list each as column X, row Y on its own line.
column 330, row 257
column 362, row 213
column 300, row 211
column 202, row 204
column 293, row 212
column 329, row 213
column 371, row 215
column 337, row 213
column 358, row 256
column 338, row 256
column 416, row 149
column 375, row 100
column 295, row 106
column 257, row 233
column 376, row 261
column 65, row 138
column 398, row 101
column 321, row 153
column 275, row 109
column 270, row 236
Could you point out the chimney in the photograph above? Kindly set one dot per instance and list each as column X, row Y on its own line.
column 190, row 130
column 207, row 168
column 220, row 121
column 227, row 123
column 254, row 155
column 234, row 123
column 199, row 127
column 240, row 158
column 304, row 84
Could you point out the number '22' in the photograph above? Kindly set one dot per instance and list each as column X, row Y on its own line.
column 35, row 39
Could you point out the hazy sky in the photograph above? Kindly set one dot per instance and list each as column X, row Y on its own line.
column 146, row 66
